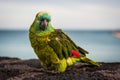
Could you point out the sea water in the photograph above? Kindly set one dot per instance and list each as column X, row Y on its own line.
column 101, row 45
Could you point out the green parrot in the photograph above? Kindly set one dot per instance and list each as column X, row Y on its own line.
column 53, row 47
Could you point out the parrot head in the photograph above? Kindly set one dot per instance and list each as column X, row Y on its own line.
column 42, row 24
column 44, row 19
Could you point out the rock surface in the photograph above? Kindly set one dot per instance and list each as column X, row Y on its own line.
column 17, row 69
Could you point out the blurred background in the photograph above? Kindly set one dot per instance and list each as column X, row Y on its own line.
column 92, row 24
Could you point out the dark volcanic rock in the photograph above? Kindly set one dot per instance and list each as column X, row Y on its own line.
column 16, row 69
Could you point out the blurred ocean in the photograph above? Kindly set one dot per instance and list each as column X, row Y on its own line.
column 101, row 45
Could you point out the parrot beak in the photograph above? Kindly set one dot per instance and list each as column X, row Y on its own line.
column 43, row 24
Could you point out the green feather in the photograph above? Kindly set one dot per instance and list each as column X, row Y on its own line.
column 53, row 47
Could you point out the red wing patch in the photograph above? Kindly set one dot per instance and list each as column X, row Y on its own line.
column 75, row 53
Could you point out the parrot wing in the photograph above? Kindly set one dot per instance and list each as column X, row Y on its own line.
column 63, row 45
column 78, row 47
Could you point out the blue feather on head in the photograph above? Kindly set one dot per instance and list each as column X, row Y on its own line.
column 45, row 16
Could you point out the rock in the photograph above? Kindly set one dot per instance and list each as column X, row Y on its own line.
column 16, row 69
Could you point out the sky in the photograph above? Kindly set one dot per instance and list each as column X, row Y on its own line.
column 66, row 14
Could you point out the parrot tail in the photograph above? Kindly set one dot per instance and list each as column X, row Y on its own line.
column 87, row 60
